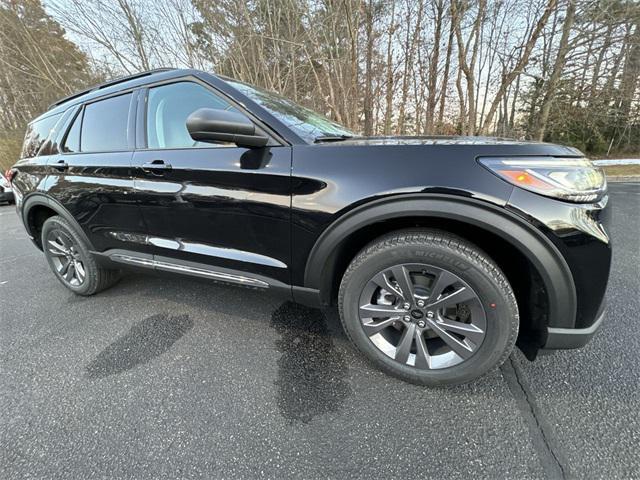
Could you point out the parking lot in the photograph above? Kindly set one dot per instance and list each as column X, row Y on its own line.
column 175, row 378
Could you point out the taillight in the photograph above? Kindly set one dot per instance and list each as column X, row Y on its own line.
column 9, row 174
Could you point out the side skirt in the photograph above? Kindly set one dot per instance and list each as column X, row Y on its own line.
column 138, row 260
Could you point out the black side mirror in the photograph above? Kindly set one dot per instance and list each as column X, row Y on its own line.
column 213, row 125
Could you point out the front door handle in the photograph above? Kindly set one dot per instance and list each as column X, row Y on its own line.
column 156, row 165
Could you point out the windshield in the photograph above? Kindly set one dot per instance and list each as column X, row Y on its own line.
column 306, row 123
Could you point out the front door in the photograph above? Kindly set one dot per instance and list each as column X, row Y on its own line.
column 209, row 206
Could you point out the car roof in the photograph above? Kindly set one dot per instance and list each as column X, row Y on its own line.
column 114, row 86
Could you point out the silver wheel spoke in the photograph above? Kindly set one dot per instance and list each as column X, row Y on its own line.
column 371, row 328
column 56, row 249
column 401, row 274
column 423, row 359
column 382, row 280
column 379, row 311
column 80, row 271
column 442, row 281
column 70, row 273
column 404, row 345
column 64, row 268
column 463, row 294
column 468, row 330
column 458, row 346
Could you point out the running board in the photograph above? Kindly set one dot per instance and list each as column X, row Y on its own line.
column 220, row 276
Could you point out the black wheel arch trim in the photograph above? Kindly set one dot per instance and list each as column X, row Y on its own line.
column 39, row 199
column 542, row 253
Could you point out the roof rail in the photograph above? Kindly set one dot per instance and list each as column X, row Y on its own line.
column 108, row 84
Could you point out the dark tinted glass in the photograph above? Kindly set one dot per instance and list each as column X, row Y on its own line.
column 169, row 107
column 37, row 134
column 72, row 142
column 104, row 125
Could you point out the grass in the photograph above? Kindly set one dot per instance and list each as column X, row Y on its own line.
column 621, row 170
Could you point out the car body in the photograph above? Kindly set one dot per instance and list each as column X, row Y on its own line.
column 6, row 190
column 291, row 215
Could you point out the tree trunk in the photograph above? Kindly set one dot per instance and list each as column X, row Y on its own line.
column 522, row 62
column 433, row 71
column 558, row 66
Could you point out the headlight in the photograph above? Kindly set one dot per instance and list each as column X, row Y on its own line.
column 570, row 179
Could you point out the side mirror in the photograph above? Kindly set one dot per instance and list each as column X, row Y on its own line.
column 213, row 125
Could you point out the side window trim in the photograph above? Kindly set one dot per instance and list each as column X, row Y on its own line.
column 78, row 113
column 59, row 131
column 132, row 120
column 141, row 119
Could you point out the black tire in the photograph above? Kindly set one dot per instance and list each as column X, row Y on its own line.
column 95, row 278
column 441, row 251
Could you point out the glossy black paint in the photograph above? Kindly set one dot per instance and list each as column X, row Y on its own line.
column 219, row 206
column 268, row 211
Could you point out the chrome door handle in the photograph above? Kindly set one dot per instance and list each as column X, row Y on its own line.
column 156, row 165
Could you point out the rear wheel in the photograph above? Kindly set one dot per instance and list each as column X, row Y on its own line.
column 69, row 258
column 428, row 307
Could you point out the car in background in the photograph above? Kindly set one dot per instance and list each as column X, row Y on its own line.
column 6, row 191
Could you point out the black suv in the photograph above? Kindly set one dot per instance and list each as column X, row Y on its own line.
column 440, row 252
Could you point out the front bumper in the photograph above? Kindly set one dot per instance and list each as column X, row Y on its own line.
column 567, row 338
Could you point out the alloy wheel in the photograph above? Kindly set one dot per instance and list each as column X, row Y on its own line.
column 66, row 257
column 422, row 316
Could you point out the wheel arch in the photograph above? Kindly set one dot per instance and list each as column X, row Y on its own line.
column 37, row 208
column 466, row 217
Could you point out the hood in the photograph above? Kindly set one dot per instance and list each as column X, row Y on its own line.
column 434, row 140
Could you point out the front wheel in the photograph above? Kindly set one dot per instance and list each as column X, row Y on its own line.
column 428, row 307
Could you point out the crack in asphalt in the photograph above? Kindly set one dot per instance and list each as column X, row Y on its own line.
column 544, row 442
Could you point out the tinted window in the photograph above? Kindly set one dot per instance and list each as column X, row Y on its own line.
column 169, row 107
column 72, row 142
column 104, row 125
column 37, row 134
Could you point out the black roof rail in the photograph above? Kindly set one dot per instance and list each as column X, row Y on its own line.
column 109, row 83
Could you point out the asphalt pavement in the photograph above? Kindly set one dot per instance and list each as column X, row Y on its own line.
column 167, row 377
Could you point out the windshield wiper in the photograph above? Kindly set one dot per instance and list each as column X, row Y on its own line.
column 331, row 138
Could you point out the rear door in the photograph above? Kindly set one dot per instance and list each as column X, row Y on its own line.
column 91, row 176
column 210, row 207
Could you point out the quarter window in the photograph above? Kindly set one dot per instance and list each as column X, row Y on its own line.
column 168, row 109
column 37, row 134
column 72, row 141
column 104, row 125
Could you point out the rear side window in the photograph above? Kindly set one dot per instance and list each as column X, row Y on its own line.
column 37, row 135
column 104, row 125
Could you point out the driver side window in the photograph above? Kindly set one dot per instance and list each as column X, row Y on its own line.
column 168, row 107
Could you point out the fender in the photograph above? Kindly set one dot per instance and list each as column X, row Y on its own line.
column 537, row 248
column 36, row 199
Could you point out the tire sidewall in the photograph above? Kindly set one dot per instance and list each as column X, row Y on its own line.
column 501, row 319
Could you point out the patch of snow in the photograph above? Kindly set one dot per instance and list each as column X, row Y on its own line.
column 618, row 161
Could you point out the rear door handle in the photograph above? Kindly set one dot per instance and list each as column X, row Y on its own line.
column 60, row 165
column 156, row 165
